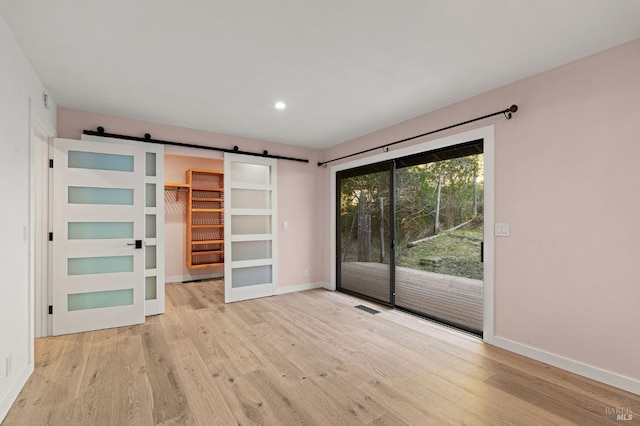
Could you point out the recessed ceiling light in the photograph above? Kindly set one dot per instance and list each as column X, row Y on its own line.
column 280, row 105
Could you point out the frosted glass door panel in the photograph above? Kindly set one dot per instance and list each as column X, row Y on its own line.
column 244, row 225
column 150, row 226
column 150, row 195
column 150, row 159
column 99, row 299
column 250, row 250
column 245, row 277
column 251, row 173
column 150, row 257
column 99, row 265
column 104, row 196
column 99, row 230
column 150, row 284
column 250, row 199
column 97, row 161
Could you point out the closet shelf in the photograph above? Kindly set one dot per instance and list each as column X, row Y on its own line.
column 207, row 199
column 194, row 242
column 199, row 253
column 173, row 185
column 207, row 210
column 206, row 265
column 206, row 190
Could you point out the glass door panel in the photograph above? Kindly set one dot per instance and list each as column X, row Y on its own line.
column 98, row 161
column 99, row 230
column 365, row 232
column 439, row 235
column 250, row 243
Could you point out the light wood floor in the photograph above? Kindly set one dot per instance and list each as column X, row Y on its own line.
column 454, row 300
column 302, row 358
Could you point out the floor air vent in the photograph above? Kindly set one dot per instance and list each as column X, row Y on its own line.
column 367, row 309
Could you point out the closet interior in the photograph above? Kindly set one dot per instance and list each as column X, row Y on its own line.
column 199, row 206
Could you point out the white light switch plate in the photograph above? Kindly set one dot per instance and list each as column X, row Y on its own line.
column 502, row 230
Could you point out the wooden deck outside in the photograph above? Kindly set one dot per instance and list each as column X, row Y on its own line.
column 451, row 299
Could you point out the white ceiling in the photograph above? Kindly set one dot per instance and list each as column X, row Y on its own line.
column 344, row 67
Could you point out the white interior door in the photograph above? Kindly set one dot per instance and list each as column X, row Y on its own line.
column 154, row 222
column 98, row 234
column 250, row 227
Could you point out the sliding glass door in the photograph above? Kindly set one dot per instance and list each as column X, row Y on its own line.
column 440, row 234
column 411, row 231
column 365, row 232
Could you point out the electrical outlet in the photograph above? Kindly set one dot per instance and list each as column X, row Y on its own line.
column 306, row 273
column 285, row 225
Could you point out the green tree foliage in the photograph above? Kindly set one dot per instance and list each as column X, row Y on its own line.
column 416, row 196
column 416, row 199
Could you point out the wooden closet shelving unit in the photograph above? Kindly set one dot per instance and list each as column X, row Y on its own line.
column 205, row 218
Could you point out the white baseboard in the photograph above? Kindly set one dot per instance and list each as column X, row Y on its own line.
column 299, row 287
column 328, row 286
column 589, row 371
column 182, row 278
column 10, row 397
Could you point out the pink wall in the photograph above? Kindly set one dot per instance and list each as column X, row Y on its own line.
column 298, row 184
column 567, row 179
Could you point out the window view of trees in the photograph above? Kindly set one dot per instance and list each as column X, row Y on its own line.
column 439, row 217
column 364, row 225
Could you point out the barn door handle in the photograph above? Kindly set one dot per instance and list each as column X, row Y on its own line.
column 138, row 244
column 481, row 251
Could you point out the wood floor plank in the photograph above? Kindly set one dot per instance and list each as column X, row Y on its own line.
column 65, row 382
column 98, row 396
column 30, row 399
column 307, row 358
column 240, row 395
column 204, row 397
column 62, row 413
column 134, row 391
column 351, row 400
column 282, row 401
column 169, row 399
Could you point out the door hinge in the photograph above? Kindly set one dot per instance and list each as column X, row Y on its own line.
column 50, row 236
column 50, row 309
column 51, row 163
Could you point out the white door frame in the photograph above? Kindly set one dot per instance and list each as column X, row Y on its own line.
column 39, row 224
column 486, row 133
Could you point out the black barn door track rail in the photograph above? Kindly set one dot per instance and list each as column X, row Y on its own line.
column 508, row 113
column 147, row 138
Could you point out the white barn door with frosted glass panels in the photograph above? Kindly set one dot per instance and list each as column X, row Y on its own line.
column 154, row 222
column 98, row 235
column 250, row 227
